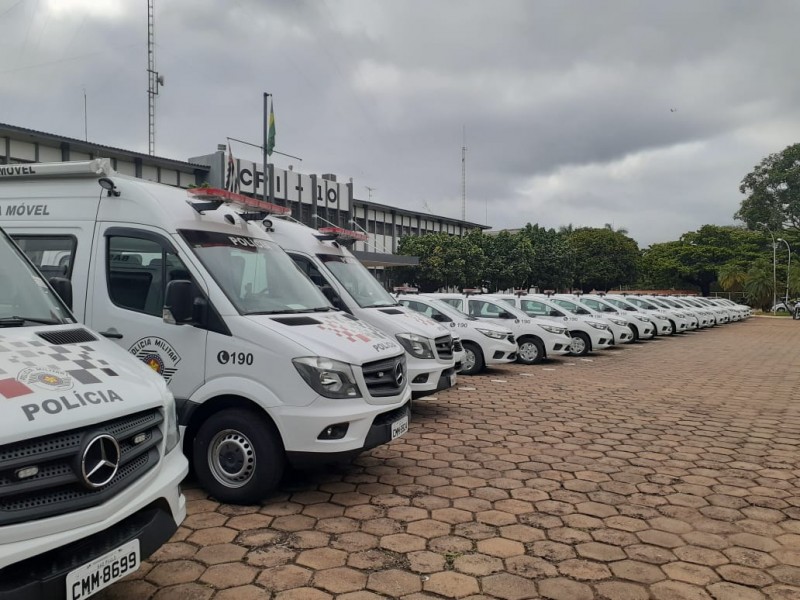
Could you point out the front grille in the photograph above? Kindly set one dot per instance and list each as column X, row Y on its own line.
column 444, row 347
column 381, row 376
column 511, row 338
column 58, row 486
column 457, row 346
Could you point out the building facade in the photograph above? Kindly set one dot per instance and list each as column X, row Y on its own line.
column 315, row 200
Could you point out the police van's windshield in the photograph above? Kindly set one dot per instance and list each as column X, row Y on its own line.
column 25, row 299
column 255, row 274
column 358, row 282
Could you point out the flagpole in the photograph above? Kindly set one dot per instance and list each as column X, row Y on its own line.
column 264, row 147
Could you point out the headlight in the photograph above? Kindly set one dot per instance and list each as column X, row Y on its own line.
column 597, row 325
column 173, row 436
column 553, row 329
column 329, row 378
column 415, row 345
column 495, row 335
column 643, row 318
column 619, row 322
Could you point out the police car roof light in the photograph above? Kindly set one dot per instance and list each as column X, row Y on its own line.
column 404, row 289
column 216, row 197
column 520, row 292
column 471, row 291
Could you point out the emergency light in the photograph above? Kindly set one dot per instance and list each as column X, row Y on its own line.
column 343, row 236
column 405, row 290
column 216, row 197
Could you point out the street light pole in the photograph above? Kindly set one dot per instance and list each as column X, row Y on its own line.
column 788, row 268
column 774, row 275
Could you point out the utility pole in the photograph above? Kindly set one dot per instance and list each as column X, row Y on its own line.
column 463, row 172
column 153, row 78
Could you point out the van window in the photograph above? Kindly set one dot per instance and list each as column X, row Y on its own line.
column 53, row 255
column 138, row 273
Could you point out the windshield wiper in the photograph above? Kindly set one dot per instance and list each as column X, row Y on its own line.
column 292, row 311
column 16, row 321
column 384, row 305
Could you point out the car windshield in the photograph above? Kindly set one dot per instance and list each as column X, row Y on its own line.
column 359, row 283
column 448, row 309
column 571, row 307
column 603, row 307
column 623, row 305
column 643, row 304
column 25, row 298
column 257, row 276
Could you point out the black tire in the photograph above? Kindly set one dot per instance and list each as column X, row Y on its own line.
column 634, row 332
column 674, row 327
column 531, row 350
column 585, row 344
column 238, row 456
column 471, row 348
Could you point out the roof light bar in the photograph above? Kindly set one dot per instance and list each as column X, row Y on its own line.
column 471, row 291
column 404, row 289
column 341, row 235
column 216, row 197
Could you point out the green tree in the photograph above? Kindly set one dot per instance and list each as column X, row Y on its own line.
column 603, row 258
column 758, row 284
column 552, row 267
column 773, row 192
column 509, row 262
column 731, row 276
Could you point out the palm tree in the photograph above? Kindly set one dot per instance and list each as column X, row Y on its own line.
column 758, row 285
column 731, row 277
column 622, row 230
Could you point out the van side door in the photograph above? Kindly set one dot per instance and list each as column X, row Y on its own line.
column 132, row 267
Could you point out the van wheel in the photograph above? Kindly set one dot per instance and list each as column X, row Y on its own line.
column 531, row 351
column 581, row 344
column 473, row 359
column 238, row 456
column 634, row 333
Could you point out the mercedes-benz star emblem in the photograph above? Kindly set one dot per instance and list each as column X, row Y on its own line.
column 398, row 374
column 100, row 461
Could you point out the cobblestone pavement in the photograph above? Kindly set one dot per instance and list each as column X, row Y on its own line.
column 667, row 470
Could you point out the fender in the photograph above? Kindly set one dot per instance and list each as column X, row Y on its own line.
column 239, row 385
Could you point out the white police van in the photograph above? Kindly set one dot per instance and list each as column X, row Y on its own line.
column 323, row 256
column 89, row 457
column 263, row 368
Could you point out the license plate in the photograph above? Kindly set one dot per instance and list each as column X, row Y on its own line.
column 102, row 572
column 399, row 427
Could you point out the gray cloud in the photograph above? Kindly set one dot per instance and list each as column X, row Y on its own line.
column 566, row 105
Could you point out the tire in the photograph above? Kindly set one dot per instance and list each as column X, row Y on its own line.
column 238, row 456
column 473, row 359
column 531, row 351
column 581, row 343
column 634, row 333
column 674, row 327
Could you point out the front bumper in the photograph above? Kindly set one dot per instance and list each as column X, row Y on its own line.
column 378, row 433
column 496, row 352
column 433, row 383
column 150, row 511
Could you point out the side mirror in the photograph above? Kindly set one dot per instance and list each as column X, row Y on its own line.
column 555, row 313
column 334, row 298
column 506, row 315
column 62, row 287
column 440, row 318
column 179, row 303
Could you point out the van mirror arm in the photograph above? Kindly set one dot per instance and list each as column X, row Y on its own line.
column 62, row 287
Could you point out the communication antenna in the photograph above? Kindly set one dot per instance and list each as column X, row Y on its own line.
column 154, row 79
column 369, row 192
column 464, row 173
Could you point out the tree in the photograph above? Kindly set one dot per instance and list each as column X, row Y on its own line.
column 509, row 261
column 773, row 192
column 758, row 284
column 552, row 267
column 603, row 258
column 731, row 276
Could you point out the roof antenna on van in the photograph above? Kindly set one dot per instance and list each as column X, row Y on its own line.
column 108, row 185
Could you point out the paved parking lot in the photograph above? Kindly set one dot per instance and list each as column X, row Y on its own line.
column 667, row 470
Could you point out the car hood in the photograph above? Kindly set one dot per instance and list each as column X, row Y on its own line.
column 399, row 319
column 334, row 335
column 54, row 379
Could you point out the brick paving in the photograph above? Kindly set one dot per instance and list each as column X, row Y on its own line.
column 668, row 470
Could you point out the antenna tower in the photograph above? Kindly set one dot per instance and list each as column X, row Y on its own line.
column 464, row 173
column 154, row 79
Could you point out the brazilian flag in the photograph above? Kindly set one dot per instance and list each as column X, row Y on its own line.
column 271, row 130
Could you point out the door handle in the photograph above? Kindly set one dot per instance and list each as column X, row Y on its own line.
column 112, row 333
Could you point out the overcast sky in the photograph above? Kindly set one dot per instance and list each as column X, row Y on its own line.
column 643, row 114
